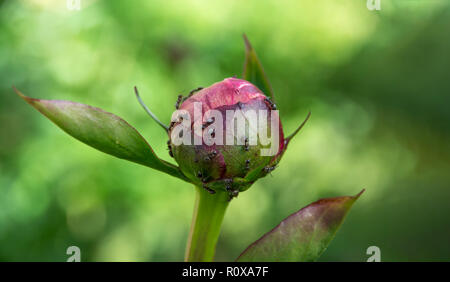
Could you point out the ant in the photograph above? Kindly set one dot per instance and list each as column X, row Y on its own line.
column 195, row 90
column 272, row 105
column 269, row 169
column 179, row 100
column 246, row 144
column 170, row 148
column 210, row 191
column 212, row 154
column 247, row 164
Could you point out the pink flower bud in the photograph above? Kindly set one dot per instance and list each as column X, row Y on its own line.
column 226, row 136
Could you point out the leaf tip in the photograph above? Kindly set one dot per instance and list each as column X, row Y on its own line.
column 27, row 99
column 18, row 92
column 359, row 194
column 289, row 138
column 248, row 46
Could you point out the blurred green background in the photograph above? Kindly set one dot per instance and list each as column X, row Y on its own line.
column 377, row 83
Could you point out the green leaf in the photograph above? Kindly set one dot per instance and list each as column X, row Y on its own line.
column 304, row 235
column 254, row 72
column 103, row 131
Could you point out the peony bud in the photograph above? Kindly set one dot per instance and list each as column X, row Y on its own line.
column 226, row 136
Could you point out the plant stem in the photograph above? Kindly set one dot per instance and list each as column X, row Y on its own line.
column 209, row 211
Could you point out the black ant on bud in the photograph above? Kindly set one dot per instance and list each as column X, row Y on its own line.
column 195, row 90
column 213, row 154
column 179, row 100
column 231, row 192
column 210, row 191
column 272, row 105
column 228, row 183
column 208, row 122
column 269, row 169
column 210, row 156
column 170, row 148
column 212, row 132
column 202, row 176
column 246, row 144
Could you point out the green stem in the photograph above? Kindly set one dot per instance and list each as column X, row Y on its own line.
column 209, row 211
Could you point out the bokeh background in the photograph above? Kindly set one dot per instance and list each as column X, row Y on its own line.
column 377, row 83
